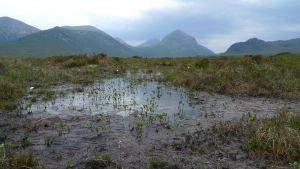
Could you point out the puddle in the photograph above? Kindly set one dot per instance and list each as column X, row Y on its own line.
column 120, row 96
column 124, row 96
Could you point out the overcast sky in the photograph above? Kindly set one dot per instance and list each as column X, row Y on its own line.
column 214, row 23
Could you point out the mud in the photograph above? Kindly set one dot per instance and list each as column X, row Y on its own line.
column 133, row 123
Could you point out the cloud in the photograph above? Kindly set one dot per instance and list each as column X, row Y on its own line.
column 215, row 23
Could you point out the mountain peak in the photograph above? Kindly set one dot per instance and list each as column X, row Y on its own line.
column 178, row 43
column 82, row 28
column 6, row 18
column 179, row 37
column 254, row 40
column 257, row 46
column 178, row 32
column 12, row 29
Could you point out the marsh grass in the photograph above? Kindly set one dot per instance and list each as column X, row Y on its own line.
column 17, row 75
column 16, row 160
column 104, row 161
column 276, row 138
column 161, row 164
column 275, row 76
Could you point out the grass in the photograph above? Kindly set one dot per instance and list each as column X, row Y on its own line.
column 161, row 164
column 19, row 74
column 275, row 76
column 104, row 161
column 276, row 138
column 16, row 160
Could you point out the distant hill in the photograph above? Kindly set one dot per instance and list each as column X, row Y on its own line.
column 176, row 44
column 149, row 43
column 66, row 41
column 256, row 46
column 11, row 29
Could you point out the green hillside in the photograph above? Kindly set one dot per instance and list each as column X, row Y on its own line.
column 65, row 41
column 256, row 46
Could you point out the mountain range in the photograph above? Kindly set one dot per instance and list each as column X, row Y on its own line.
column 20, row 39
column 67, row 40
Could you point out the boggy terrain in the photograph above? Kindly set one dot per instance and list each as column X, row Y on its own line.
column 102, row 112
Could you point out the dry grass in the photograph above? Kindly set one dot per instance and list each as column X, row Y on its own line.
column 278, row 137
column 276, row 76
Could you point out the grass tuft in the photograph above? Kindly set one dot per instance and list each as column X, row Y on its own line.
column 103, row 161
column 278, row 137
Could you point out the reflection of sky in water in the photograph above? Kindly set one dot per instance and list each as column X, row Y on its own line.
column 123, row 97
column 120, row 96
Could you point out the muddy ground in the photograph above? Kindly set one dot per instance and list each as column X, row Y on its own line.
column 135, row 123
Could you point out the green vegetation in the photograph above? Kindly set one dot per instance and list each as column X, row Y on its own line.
column 160, row 164
column 275, row 76
column 257, row 46
column 18, row 75
column 104, row 161
column 278, row 137
column 16, row 160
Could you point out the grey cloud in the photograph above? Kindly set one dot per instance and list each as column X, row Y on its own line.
column 210, row 20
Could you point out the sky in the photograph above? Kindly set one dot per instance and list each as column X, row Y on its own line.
column 216, row 24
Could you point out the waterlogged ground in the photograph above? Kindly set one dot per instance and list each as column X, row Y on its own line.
column 125, row 96
column 134, row 122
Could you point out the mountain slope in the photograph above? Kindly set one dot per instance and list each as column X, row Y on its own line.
column 123, row 42
column 66, row 41
column 176, row 44
column 256, row 46
column 149, row 43
column 11, row 29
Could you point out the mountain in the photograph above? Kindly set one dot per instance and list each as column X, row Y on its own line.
column 123, row 42
column 176, row 44
column 149, row 43
column 20, row 39
column 256, row 46
column 12, row 29
column 83, row 28
column 66, row 41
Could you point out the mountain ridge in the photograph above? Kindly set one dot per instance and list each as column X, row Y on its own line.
column 256, row 46
column 12, row 29
column 64, row 41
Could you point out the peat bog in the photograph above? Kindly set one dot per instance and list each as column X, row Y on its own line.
column 109, row 112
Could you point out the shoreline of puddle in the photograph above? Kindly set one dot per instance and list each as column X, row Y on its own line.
column 125, row 96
